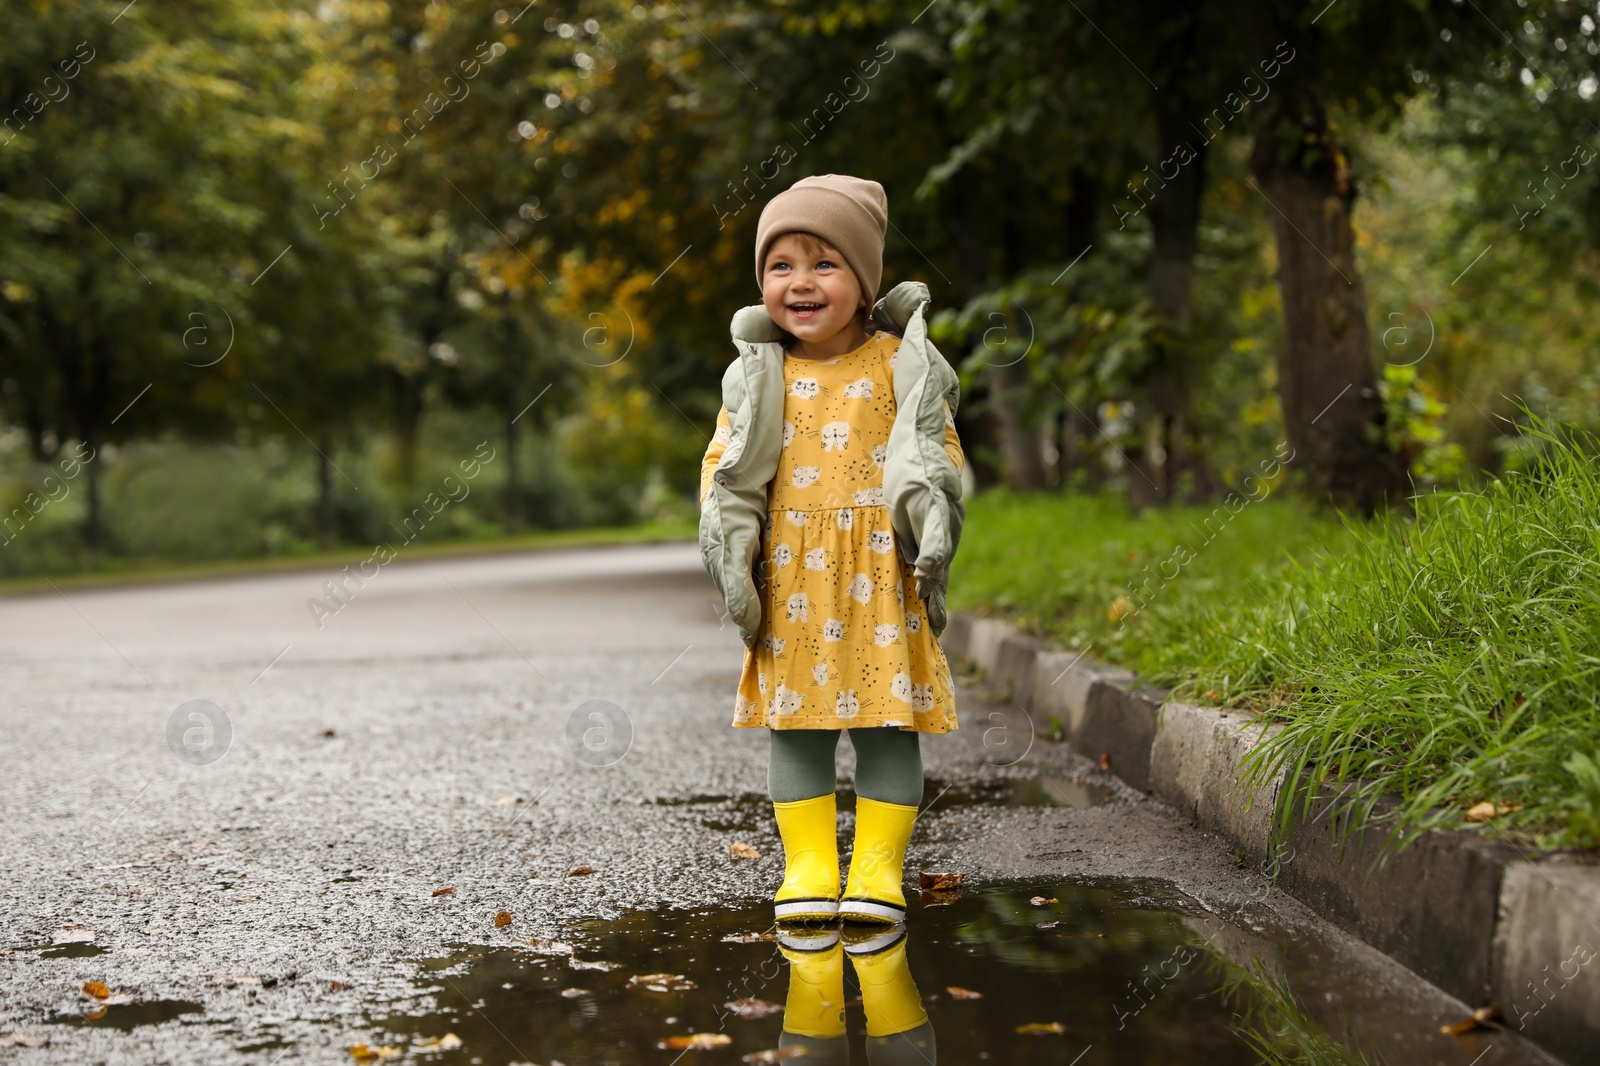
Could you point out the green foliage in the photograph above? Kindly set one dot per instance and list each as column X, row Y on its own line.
column 1124, row 586
column 1414, row 424
column 1583, row 807
column 1448, row 661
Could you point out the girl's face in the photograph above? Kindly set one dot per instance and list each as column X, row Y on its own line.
column 811, row 293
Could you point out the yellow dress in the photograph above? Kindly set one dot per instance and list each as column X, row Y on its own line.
column 844, row 639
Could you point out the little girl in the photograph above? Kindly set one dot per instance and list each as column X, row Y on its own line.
column 830, row 509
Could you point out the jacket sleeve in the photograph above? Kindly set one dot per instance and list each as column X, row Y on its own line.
column 714, row 450
column 952, row 443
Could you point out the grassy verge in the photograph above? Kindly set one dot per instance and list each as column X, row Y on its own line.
column 119, row 571
column 1089, row 573
column 1452, row 660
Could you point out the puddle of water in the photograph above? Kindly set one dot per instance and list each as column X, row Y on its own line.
column 1045, row 791
column 73, row 951
column 129, row 1016
column 1091, row 974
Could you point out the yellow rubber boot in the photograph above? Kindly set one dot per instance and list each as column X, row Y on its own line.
column 888, row 994
column 814, row 1006
column 810, row 832
column 872, row 892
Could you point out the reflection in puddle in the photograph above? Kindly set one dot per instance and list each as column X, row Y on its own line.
column 127, row 1016
column 1046, row 791
column 73, row 951
column 1090, row 973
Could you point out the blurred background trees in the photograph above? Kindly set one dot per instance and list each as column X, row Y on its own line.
column 278, row 270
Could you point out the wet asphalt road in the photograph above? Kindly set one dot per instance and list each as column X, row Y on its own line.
column 274, row 853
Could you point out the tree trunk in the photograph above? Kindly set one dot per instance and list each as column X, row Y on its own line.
column 94, row 518
column 972, row 243
column 408, row 404
column 1023, row 461
column 1177, row 187
column 325, row 525
column 513, row 475
column 1332, row 412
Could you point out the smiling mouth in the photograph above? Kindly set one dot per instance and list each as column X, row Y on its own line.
column 805, row 310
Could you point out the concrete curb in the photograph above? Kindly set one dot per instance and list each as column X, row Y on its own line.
column 1480, row 919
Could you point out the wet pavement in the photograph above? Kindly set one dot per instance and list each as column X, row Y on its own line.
column 454, row 821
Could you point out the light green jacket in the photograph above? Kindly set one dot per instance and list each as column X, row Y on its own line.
column 920, row 481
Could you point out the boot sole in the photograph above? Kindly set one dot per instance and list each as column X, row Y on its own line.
column 805, row 910
column 872, row 910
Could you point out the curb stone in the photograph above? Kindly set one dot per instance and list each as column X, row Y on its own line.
column 1478, row 918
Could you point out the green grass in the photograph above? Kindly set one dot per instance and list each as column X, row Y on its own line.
column 1448, row 660
column 1090, row 574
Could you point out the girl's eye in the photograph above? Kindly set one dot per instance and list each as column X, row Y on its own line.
column 824, row 263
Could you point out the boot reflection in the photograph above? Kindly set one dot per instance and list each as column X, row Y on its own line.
column 813, row 1014
column 898, row 1030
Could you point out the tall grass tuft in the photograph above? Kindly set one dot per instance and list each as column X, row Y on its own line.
column 1451, row 660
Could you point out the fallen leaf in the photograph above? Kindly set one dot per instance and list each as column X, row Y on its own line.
column 1038, row 1028
column 661, row 982
column 1042, row 901
column 444, row 891
column 579, row 871
column 1482, row 1018
column 957, row 992
column 97, row 989
column 750, row 1007
column 937, row 882
column 1484, row 811
column 1105, row 760
column 503, row 918
column 574, row 993
column 363, row 1053
column 741, row 850
column 98, row 1012
column 447, row 1042
column 1120, row 608
column 776, row 1054
column 696, row 1042
column 338, row 986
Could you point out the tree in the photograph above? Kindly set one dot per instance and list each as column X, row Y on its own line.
column 1366, row 58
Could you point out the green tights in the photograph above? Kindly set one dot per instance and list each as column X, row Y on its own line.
column 888, row 764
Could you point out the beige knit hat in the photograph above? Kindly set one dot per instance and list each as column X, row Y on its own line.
column 849, row 213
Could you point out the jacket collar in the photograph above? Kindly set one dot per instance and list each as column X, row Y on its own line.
column 892, row 313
